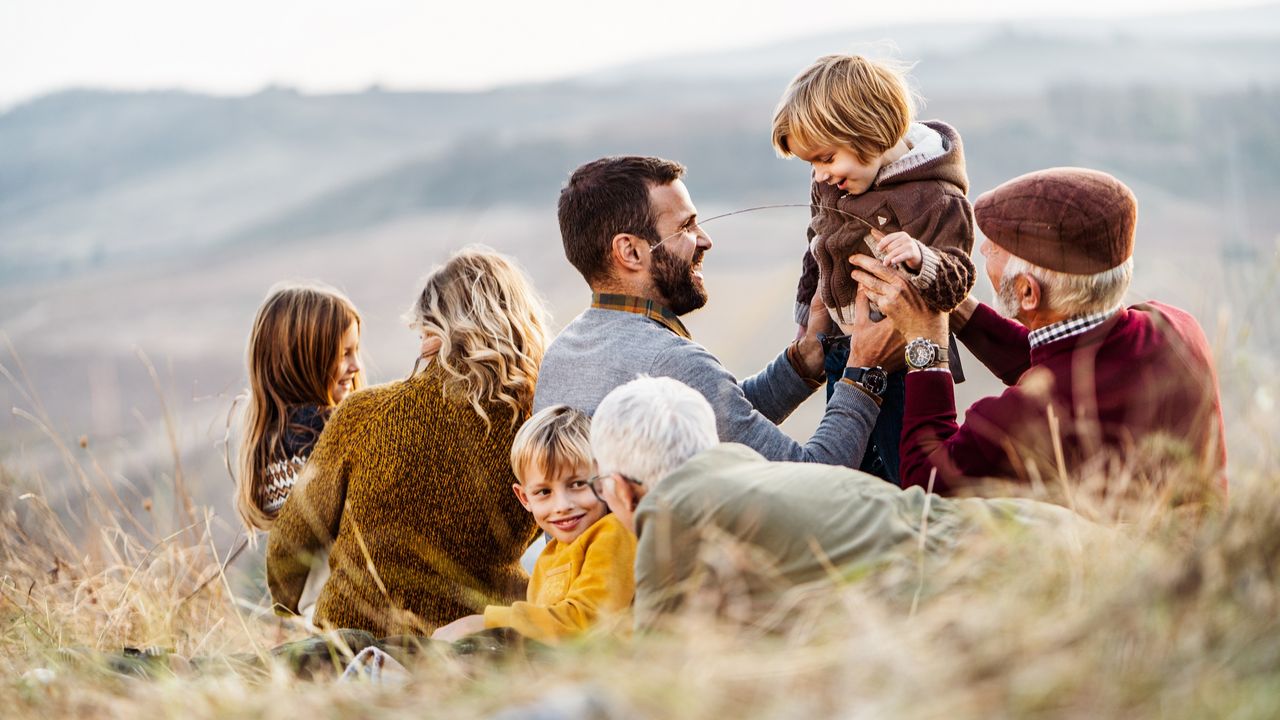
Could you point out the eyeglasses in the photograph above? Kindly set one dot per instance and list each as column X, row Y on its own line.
column 596, row 483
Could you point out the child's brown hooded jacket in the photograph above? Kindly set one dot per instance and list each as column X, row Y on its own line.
column 922, row 194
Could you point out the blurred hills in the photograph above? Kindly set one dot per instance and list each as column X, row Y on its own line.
column 91, row 180
column 150, row 224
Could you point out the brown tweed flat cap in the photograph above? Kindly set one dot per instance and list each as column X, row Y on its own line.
column 1071, row 220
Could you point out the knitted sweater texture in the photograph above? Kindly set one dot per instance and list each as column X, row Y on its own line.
column 1139, row 388
column 305, row 425
column 411, row 492
column 575, row 587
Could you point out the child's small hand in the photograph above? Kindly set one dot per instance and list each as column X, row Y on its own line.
column 459, row 628
column 900, row 247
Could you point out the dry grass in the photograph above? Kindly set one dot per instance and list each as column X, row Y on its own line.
column 1156, row 618
column 1160, row 615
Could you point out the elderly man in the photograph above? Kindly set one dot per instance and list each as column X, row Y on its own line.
column 747, row 537
column 631, row 229
column 1094, row 387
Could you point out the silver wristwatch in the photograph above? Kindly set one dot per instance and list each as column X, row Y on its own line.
column 924, row 353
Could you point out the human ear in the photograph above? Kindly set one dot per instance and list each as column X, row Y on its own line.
column 1028, row 292
column 625, row 491
column 431, row 345
column 626, row 251
column 519, row 490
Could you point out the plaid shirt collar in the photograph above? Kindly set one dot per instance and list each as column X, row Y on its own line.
column 640, row 306
column 1070, row 327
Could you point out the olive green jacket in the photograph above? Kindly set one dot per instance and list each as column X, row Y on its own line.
column 744, row 534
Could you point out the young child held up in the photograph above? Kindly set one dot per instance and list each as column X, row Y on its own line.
column 883, row 185
column 585, row 577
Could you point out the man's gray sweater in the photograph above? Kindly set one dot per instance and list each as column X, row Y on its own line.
column 602, row 349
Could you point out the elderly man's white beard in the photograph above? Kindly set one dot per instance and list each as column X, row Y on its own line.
column 1007, row 297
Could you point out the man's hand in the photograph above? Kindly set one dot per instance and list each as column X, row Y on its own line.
column 899, row 300
column 621, row 499
column 872, row 343
column 810, row 346
column 460, row 628
column 900, row 247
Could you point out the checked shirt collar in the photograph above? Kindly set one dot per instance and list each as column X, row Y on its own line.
column 640, row 306
column 1068, row 328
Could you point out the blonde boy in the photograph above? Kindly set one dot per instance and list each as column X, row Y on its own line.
column 586, row 574
column 883, row 185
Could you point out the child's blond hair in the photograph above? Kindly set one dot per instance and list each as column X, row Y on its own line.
column 846, row 100
column 554, row 441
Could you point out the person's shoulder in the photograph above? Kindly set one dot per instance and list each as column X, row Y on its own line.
column 1172, row 312
column 1172, row 323
column 712, row 472
column 376, row 401
column 355, row 405
column 677, row 355
column 608, row 531
column 595, row 327
column 376, row 395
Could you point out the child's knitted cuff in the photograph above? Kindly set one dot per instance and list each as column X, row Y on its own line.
column 801, row 315
column 929, row 262
column 497, row 616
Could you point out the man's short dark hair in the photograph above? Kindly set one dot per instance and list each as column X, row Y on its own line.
column 606, row 197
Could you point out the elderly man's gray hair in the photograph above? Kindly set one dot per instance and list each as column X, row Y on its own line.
column 1071, row 295
column 650, row 426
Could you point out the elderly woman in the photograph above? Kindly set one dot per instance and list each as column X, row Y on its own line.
column 409, row 486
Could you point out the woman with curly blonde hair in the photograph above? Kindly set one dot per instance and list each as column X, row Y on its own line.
column 409, row 486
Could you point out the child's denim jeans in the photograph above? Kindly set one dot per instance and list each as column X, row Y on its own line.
column 881, row 458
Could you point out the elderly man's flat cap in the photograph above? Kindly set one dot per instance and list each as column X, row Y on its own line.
column 1071, row 220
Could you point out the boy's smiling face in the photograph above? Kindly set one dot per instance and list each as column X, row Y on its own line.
column 840, row 166
column 563, row 505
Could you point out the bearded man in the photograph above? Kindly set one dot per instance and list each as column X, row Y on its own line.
column 630, row 227
column 1099, row 393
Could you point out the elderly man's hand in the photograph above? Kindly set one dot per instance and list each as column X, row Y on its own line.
column 872, row 343
column 899, row 300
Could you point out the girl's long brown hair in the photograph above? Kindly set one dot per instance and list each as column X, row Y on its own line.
column 294, row 350
column 492, row 325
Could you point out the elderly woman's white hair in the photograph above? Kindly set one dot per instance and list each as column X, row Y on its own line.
column 650, row 426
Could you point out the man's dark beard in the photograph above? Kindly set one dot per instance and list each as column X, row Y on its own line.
column 674, row 279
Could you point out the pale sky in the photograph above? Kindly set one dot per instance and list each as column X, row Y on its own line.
column 239, row 46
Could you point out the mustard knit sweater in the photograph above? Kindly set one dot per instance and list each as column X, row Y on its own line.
column 412, row 493
column 589, row 582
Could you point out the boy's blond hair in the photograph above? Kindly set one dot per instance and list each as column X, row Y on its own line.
column 845, row 100
column 554, row 441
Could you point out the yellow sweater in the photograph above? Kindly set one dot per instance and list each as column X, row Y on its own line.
column 412, row 495
column 575, row 586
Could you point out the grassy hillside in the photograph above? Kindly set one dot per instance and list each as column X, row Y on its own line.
column 1165, row 614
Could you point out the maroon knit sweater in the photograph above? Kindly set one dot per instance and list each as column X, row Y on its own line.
column 1143, row 382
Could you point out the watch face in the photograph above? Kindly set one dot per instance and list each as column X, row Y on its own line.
column 876, row 380
column 920, row 353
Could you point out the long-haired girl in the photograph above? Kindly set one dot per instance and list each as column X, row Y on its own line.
column 304, row 358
